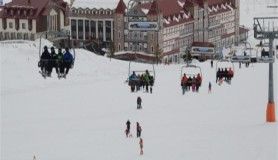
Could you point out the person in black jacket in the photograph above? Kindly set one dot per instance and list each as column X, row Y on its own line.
column 127, row 131
column 54, row 58
column 60, row 62
column 139, row 102
column 45, row 60
column 138, row 130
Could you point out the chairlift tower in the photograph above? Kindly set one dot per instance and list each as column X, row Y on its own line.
column 267, row 28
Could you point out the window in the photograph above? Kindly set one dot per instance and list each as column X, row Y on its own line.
column 23, row 26
column 73, row 29
column 10, row 25
column 119, row 47
column 80, row 29
column 93, row 29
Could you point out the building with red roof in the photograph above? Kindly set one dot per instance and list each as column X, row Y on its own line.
column 25, row 19
column 183, row 23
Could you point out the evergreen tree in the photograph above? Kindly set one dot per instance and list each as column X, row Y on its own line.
column 187, row 57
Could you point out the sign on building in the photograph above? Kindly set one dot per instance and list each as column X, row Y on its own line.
column 143, row 26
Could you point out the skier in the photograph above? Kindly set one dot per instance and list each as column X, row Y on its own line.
column 147, row 80
column 45, row 61
column 138, row 130
column 230, row 74
column 193, row 84
column 198, row 82
column 141, row 146
column 54, row 58
column 127, row 131
column 132, row 81
column 68, row 60
column 183, row 83
column 211, row 63
column 209, row 88
column 139, row 102
column 60, row 62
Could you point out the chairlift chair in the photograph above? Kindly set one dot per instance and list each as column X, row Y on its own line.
column 227, row 65
column 243, row 58
column 57, row 35
column 152, row 72
column 185, row 70
column 262, row 54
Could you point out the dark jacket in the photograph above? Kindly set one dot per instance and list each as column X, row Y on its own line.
column 139, row 100
column 45, row 55
column 128, row 124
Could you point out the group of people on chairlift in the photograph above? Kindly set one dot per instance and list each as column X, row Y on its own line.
column 62, row 62
column 193, row 82
column 224, row 74
column 136, row 82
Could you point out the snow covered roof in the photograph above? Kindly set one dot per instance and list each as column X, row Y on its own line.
column 111, row 4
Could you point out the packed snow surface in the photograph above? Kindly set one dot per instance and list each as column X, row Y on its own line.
column 83, row 116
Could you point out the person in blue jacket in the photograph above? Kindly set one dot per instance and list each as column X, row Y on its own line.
column 68, row 60
column 133, row 80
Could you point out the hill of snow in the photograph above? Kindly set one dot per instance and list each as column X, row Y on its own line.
column 83, row 116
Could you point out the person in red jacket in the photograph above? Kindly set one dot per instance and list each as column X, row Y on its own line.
column 230, row 74
column 198, row 82
column 183, row 83
column 184, row 79
column 141, row 146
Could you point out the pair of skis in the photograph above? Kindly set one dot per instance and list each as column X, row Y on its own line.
column 45, row 75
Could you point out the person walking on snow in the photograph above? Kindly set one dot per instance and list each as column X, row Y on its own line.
column 138, row 130
column 141, row 146
column 209, row 88
column 139, row 102
column 127, row 131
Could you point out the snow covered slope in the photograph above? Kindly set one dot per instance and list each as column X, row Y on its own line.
column 83, row 117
